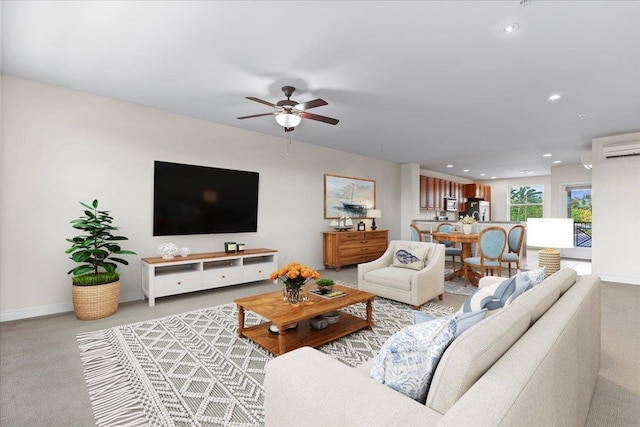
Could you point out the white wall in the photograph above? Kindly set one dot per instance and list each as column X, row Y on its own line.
column 61, row 146
column 616, row 213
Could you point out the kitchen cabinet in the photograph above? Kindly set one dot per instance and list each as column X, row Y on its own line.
column 433, row 192
column 477, row 191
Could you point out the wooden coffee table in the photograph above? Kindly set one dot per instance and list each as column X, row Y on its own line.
column 271, row 307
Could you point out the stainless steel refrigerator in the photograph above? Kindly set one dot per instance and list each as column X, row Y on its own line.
column 479, row 209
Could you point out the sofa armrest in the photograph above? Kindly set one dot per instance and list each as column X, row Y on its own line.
column 384, row 261
column 431, row 278
column 307, row 387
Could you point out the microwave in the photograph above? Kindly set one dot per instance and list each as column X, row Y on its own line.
column 451, row 204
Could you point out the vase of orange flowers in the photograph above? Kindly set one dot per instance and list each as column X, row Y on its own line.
column 294, row 276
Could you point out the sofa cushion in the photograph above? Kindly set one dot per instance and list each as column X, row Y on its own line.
column 407, row 255
column 391, row 277
column 473, row 353
column 464, row 320
column 540, row 298
column 406, row 361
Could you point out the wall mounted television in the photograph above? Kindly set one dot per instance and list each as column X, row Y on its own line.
column 190, row 199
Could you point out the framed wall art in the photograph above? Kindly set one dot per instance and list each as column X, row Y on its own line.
column 344, row 195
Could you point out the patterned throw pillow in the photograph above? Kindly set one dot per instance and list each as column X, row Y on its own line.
column 410, row 256
column 491, row 297
column 463, row 320
column 407, row 360
column 528, row 279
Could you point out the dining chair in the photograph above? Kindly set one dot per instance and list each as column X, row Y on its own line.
column 416, row 234
column 514, row 242
column 491, row 243
column 450, row 248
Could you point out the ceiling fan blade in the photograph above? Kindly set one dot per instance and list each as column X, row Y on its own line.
column 319, row 118
column 311, row 104
column 255, row 115
column 252, row 98
column 289, row 129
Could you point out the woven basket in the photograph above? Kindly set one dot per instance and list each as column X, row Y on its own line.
column 92, row 302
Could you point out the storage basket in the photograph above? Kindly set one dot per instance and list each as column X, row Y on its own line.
column 92, row 302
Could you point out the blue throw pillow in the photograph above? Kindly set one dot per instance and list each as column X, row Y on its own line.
column 528, row 279
column 407, row 360
column 491, row 297
column 464, row 320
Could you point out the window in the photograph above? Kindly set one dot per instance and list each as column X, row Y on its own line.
column 525, row 202
column 579, row 208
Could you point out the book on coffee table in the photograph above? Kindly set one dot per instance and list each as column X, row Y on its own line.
column 328, row 295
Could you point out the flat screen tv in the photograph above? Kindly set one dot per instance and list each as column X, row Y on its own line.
column 190, row 199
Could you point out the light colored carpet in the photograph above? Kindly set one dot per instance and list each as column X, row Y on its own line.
column 192, row 368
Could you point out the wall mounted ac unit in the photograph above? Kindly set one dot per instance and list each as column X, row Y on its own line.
column 621, row 149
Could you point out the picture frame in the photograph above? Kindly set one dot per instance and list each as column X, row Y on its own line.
column 346, row 195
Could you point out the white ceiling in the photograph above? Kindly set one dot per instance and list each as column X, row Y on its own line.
column 432, row 82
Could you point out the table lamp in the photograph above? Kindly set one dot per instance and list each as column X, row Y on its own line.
column 373, row 213
column 551, row 234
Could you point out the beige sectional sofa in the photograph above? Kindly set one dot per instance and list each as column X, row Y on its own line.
column 534, row 363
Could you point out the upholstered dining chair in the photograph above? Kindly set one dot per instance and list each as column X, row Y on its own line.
column 491, row 243
column 514, row 242
column 450, row 248
column 416, row 234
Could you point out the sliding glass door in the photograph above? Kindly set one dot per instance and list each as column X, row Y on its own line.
column 578, row 207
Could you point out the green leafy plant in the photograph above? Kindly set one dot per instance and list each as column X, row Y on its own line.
column 93, row 250
column 96, row 278
column 325, row 282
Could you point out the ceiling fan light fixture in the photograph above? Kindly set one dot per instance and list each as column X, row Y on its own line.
column 288, row 120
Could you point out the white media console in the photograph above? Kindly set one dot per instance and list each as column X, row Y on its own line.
column 163, row 277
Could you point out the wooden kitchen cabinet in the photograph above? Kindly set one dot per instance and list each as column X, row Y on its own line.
column 433, row 192
column 477, row 191
column 352, row 247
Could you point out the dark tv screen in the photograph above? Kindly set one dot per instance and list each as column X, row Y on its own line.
column 191, row 199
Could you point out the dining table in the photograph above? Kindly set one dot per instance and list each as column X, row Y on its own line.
column 466, row 240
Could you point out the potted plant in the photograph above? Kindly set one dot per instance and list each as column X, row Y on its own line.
column 325, row 285
column 96, row 284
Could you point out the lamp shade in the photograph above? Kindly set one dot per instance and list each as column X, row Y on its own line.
column 288, row 120
column 374, row 213
column 553, row 233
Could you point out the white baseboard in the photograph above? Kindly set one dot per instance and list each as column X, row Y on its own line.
column 45, row 310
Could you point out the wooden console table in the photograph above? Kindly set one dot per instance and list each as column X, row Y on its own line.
column 353, row 247
column 162, row 277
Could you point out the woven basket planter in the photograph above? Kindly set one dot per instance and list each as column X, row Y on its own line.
column 92, row 302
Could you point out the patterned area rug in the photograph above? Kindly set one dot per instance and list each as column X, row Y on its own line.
column 191, row 369
column 457, row 287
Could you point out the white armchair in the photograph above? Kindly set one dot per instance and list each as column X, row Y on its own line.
column 414, row 287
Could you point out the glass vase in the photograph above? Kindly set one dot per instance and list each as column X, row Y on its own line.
column 293, row 294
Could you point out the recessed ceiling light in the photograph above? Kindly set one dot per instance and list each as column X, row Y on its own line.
column 493, row 177
column 547, row 155
column 449, row 166
column 557, row 161
column 482, row 174
column 527, row 171
column 465, row 170
column 511, row 28
column 554, row 97
column 582, row 115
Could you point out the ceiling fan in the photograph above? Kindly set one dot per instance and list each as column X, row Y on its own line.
column 289, row 113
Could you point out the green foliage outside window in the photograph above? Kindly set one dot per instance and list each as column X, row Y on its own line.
column 525, row 202
column 581, row 208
